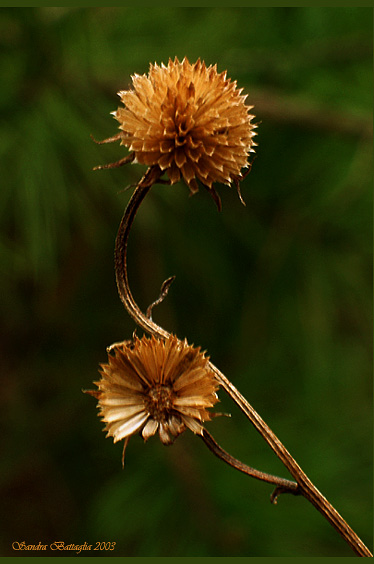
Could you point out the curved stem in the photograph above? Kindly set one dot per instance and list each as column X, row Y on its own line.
column 305, row 486
column 151, row 177
column 286, row 486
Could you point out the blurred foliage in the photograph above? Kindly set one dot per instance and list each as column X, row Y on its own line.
column 278, row 292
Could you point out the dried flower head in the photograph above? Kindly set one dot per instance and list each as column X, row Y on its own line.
column 190, row 121
column 152, row 385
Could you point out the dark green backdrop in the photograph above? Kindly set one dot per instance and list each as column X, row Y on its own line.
column 278, row 292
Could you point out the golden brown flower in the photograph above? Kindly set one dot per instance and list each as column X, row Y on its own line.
column 152, row 385
column 189, row 120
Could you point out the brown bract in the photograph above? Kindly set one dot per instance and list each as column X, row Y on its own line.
column 151, row 385
column 190, row 121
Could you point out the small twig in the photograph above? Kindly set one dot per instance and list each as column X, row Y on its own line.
column 152, row 176
column 283, row 485
column 112, row 139
column 305, row 486
column 128, row 159
column 164, row 290
column 280, row 490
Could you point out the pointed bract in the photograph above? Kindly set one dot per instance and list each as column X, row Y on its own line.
column 190, row 121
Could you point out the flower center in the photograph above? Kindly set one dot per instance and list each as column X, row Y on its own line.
column 180, row 140
column 159, row 401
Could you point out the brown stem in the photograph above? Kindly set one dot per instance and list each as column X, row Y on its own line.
column 285, row 486
column 305, row 486
column 152, row 176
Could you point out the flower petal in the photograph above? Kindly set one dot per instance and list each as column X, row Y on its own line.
column 181, row 111
column 164, row 435
column 193, row 425
column 118, row 400
column 176, row 427
column 130, row 426
column 150, row 429
column 112, row 414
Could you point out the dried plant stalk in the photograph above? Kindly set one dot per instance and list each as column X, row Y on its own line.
column 304, row 486
column 188, row 122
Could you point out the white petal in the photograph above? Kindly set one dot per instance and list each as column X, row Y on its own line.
column 164, row 435
column 191, row 401
column 192, row 424
column 190, row 411
column 117, row 413
column 118, row 400
column 149, row 429
column 131, row 426
column 176, row 427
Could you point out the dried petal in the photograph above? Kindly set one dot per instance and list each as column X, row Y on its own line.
column 151, row 385
column 190, row 121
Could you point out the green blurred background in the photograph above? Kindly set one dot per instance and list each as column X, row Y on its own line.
column 278, row 292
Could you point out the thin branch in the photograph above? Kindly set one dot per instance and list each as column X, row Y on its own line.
column 283, row 486
column 128, row 159
column 305, row 486
column 165, row 286
column 152, row 176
